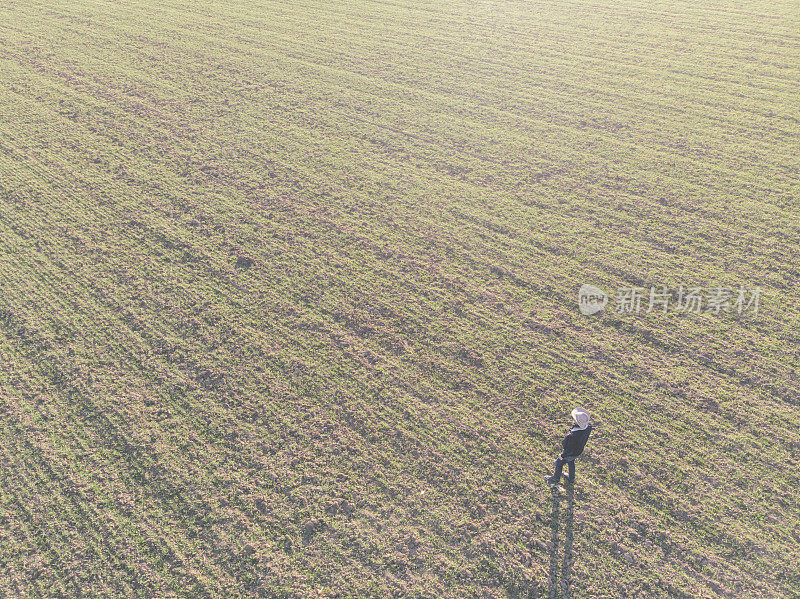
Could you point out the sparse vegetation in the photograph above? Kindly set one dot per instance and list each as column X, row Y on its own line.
column 289, row 303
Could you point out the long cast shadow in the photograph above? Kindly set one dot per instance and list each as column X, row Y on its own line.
column 556, row 499
column 569, row 525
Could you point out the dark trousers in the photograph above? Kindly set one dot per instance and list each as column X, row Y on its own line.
column 559, row 467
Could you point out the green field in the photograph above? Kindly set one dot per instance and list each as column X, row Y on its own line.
column 289, row 298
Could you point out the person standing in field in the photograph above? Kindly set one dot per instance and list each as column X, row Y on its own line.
column 572, row 445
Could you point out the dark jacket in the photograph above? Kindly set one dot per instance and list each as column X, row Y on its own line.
column 574, row 442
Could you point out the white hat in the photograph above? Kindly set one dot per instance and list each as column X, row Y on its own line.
column 581, row 417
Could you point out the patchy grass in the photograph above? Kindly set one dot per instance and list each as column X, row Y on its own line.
column 289, row 298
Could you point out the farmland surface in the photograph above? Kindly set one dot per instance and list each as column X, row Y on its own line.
column 289, row 298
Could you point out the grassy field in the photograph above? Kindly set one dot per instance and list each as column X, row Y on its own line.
column 289, row 298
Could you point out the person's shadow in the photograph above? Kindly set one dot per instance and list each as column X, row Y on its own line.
column 568, row 559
